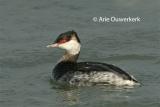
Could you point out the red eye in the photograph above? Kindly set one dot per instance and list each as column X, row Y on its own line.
column 63, row 40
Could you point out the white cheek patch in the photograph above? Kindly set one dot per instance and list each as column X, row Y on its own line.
column 73, row 47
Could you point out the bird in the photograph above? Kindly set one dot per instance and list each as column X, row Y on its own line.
column 69, row 71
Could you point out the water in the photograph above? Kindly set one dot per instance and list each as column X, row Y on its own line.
column 27, row 26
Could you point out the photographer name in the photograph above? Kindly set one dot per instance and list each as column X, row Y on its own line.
column 117, row 19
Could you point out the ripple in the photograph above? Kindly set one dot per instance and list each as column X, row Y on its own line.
column 7, row 92
column 132, row 57
column 24, row 58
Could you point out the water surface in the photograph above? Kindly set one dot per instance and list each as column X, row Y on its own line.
column 27, row 26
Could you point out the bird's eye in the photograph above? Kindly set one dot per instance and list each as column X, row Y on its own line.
column 63, row 40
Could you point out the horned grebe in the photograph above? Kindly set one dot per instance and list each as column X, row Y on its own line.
column 68, row 70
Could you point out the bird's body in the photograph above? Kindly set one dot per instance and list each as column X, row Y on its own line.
column 91, row 73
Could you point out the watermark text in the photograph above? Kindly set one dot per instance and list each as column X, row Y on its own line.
column 114, row 19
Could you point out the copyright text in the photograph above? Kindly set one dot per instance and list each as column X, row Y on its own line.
column 116, row 19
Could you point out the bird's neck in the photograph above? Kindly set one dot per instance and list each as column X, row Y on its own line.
column 67, row 57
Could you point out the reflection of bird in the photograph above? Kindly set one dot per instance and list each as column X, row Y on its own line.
column 85, row 73
column 71, row 97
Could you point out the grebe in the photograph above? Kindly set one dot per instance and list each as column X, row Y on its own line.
column 68, row 70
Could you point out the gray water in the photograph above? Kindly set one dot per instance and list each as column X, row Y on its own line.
column 27, row 26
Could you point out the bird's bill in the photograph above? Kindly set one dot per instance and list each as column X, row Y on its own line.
column 52, row 45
